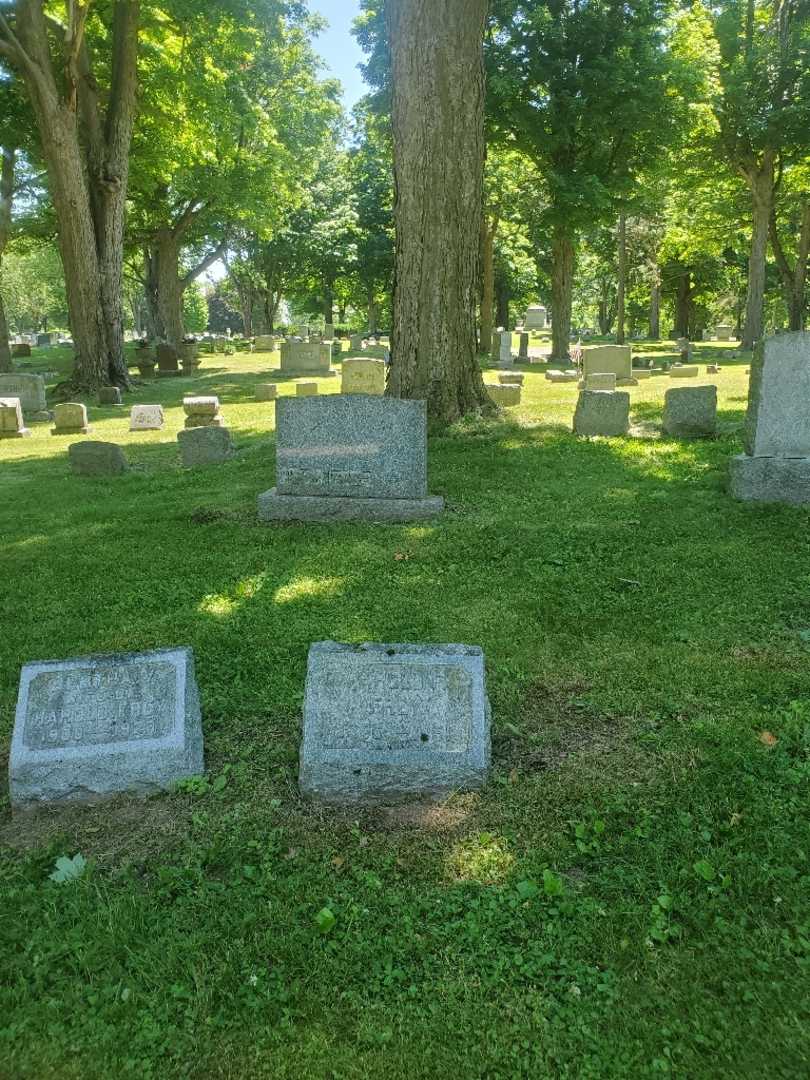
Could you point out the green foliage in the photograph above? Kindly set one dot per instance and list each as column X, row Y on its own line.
column 33, row 287
column 195, row 309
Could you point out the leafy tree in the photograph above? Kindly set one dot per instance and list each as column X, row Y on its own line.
column 370, row 173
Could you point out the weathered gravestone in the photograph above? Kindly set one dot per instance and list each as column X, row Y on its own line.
column 30, row 389
column 609, row 359
column 684, row 371
column 350, row 457
column 329, row 332
column 495, row 349
column 265, row 343
column 505, row 349
column 503, row 394
column 776, row 464
column 21, row 350
column 266, row 392
column 511, row 378
column 202, row 412
column 12, row 425
column 356, row 342
column 600, row 412
column 523, row 353
column 362, row 376
column 535, row 317
column 306, row 388
column 724, row 332
column 306, row 358
column 600, row 381
column 97, row 459
column 146, row 418
column 94, row 726
column 70, row 419
column 690, row 412
column 205, row 446
column 167, row 358
column 386, row 722
column 47, row 339
column 110, row 395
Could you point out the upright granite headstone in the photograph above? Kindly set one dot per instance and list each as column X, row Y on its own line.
column 690, row 412
column 21, row 350
column 600, row 412
column 505, row 394
column 205, row 446
column 305, row 358
column 511, row 378
column 724, row 332
column 12, row 424
column 523, row 353
column 146, row 418
column 350, row 457
column 600, row 381
column 95, row 726
column 30, row 389
column 386, row 722
column 202, row 412
column 97, row 459
column 70, row 419
column 776, row 464
column 265, row 343
column 361, row 376
column 306, row 388
column 608, row 359
column 167, row 358
column 535, row 318
column 266, row 391
column 505, row 349
column 110, row 395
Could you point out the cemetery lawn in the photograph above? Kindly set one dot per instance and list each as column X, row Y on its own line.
column 628, row 897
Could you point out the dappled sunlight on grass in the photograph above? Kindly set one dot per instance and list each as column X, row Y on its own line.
column 483, row 858
column 308, row 588
column 224, row 604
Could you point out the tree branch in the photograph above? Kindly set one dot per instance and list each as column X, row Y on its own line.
column 209, row 260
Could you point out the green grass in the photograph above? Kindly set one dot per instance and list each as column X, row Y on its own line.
column 626, row 898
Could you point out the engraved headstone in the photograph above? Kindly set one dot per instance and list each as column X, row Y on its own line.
column 329, row 332
column 523, row 353
column 306, row 358
column 109, row 395
column 167, row 358
column 350, row 457
column 511, row 378
column 505, row 349
column 205, row 446
column 12, row 425
column 776, row 464
column 266, row 392
column 386, row 722
column 690, row 412
column 97, row 459
column 608, row 359
column 600, row 380
column 30, row 389
column 265, row 343
column 535, row 318
column 361, row 376
column 95, row 726
column 356, row 342
column 600, row 412
column 146, row 418
column 724, row 332
column 70, row 419
column 202, row 412
column 503, row 394
column 21, row 350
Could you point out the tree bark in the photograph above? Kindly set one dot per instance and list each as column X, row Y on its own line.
column 438, row 135
column 683, row 303
column 622, row 276
column 166, row 285
column 794, row 279
column 329, row 303
column 760, row 178
column 655, row 304
column 488, row 231
column 7, row 164
column 86, row 150
column 562, row 286
column 371, row 304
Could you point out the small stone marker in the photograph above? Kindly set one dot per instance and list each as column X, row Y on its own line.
column 600, row 412
column 776, row 464
column 21, row 351
column 600, row 381
column 503, row 394
column 265, row 343
column 523, row 353
column 306, row 358
column 97, row 459
column 96, row 726
column 361, row 376
column 356, row 343
column 306, row 388
column 202, row 412
column 614, row 359
column 511, row 378
column 110, row 395
column 684, row 371
column 350, row 457
column 562, row 376
column 205, row 446
column 30, row 389
column 167, row 358
column 12, row 424
column 724, row 332
column 146, row 418
column 535, row 318
column 505, row 349
column 643, row 373
column 690, row 412
column 386, row 722
column 329, row 332
column 70, row 419
column 266, row 392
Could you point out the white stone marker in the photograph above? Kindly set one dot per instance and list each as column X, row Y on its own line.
column 146, row 418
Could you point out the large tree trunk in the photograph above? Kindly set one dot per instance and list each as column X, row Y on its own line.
column 7, row 160
column 562, row 286
column 88, row 171
column 622, row 278
column 438, row 134
column 329, row 303
column 683, row 304
column 487, row 283
column 165, row 288
column 761, row 182
column 371, row 306
column 655, row 304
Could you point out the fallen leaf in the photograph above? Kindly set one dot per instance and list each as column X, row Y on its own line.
column 768, row 739
column 514, row 776
column 338, row 861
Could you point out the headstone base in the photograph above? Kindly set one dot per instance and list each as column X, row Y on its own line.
column 275, row 507
column 771, row 479
column 298, row 373
column 72, row 431
column 199, row 420
column 23, row 433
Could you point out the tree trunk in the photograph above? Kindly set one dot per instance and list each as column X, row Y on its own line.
column 88, row 172
column 683, row 303
column 165, row 288
column 487, row 283
column 371, row 304
column 761, row 182
column 794, row 280
column 7, row 162
column 438, row 135
column 655, row 304
column 562, row 285
column 622, row 275
column 329, row 303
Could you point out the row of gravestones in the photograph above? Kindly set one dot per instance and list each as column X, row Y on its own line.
column 380, row 721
